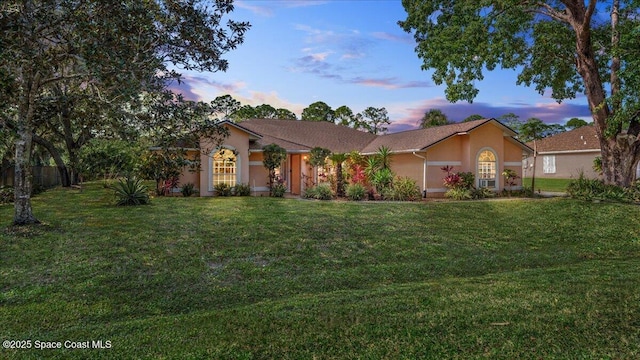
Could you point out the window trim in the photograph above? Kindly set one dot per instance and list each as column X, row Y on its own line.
column 238, row 163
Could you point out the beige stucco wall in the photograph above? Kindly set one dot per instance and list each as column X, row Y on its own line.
column 190, row 175
column 258, row 175
column 237, row 140
column 568, row 165
column 461, row 152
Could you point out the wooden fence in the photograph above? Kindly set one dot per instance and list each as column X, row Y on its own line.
column 43, row 176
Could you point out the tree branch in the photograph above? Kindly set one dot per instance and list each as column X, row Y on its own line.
column 550, row 12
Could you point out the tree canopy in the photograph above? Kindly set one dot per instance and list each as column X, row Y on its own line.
column 46, row 43
column 562, row 47
column 318, row 111
column 575, row 123
column 433, row 117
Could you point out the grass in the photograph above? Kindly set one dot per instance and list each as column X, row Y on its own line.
column 542, row 184
column 263, row 278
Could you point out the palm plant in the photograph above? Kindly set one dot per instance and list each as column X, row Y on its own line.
column 384, row 157
column 338, row 159
column 130, row 191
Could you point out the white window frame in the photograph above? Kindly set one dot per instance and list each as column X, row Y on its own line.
column 487, row 182
column 212, row 174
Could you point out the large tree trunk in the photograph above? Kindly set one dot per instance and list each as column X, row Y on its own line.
column 620, row 149
column 23, row 213
column 23, row 177
column 619, row 159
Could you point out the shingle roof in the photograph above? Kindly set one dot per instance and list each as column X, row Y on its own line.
column 580, row 139
column 297, row 135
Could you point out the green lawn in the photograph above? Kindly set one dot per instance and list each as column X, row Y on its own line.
column 556, row 185
column 263, row 278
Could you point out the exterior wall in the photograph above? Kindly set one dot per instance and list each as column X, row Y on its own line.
column 258, row 175
column 461, row 152
column 447, row 153
column 408, row 165
column 568, row 165
column 239, row 141
column 189, row 175
column 487, row 138
column 513, row 160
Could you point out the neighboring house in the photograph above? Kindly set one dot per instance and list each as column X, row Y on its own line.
column 484, row 147
column 565, row 155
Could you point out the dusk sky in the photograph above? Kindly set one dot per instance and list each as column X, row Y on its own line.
column 352, row 52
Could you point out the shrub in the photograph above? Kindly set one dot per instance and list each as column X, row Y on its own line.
column 459, row 194
column 188, row 189
column 130, row 192
column 467, row 179
column 481, row 193
column 584, row 188
column 321, row 192
column 404, row 189
column 382, row 179
column 633, row 192
column 6, row 194
column 222, row 189
column 356, row 192
column 594, row 189
column 242, row 190
column 278, row 189
column 458, row 180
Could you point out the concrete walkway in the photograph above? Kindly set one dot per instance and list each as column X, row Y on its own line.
column 552, row 194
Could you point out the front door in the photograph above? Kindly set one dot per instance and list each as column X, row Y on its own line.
column 294, row 171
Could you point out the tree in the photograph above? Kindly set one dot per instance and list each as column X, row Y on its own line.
column 224, row 106
column 266, row 111
column 473, row 117
column 375, row 120
column 344, row 116
column 318, row 111
column 51, row 42
column 108, row 159
column 565, row 46
column 433, row 117
column 575, row 123
column 512, row 121
column 285, row 114
column 273, row 156
column 338, row 159
column 243, row 113
column 533, row 130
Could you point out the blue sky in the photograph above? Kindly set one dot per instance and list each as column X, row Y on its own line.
column 352, row 52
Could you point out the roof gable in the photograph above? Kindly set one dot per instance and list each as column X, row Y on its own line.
column 422, row 139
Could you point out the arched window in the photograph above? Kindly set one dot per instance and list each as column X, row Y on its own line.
column 224, row 169
column 487, row 169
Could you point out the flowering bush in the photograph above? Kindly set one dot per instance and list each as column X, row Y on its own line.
column 278, row 188
column 458, row 180
column 358, row 175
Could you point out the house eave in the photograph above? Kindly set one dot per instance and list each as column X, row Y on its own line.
column 568, row 151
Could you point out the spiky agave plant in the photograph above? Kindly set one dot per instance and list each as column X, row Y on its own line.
column 130, row 192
